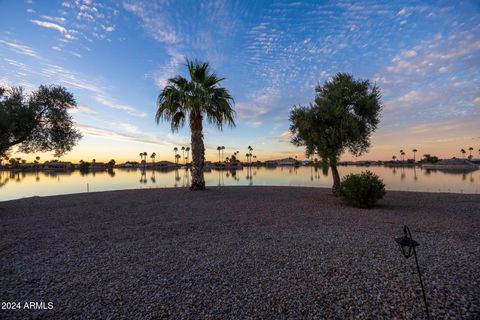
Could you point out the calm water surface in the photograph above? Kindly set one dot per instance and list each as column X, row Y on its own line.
column 14, row 185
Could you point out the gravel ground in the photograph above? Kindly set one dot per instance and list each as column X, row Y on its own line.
column 238, row 253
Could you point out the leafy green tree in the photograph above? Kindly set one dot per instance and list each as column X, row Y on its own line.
column 38, row 122
column 342, row 117
column 200, row 96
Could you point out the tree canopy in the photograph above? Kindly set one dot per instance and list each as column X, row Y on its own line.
column 38, row 122
column 343, row 116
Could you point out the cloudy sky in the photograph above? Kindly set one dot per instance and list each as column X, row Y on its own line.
column 116, row 56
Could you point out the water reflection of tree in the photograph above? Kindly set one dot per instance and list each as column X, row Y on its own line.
column 4, row 178
column 177, row 178
column 250, row 176
column 111, row 172
column 143, row 175
column 152, row 177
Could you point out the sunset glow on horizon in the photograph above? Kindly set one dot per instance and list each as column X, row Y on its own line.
column 116, row 56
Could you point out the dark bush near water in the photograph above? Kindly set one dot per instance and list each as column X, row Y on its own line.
column 361, row 190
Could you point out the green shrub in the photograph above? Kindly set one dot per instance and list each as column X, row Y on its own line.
column 361, row 190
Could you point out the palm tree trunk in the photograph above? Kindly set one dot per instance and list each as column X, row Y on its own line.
column 198, row 151
column 336, row 177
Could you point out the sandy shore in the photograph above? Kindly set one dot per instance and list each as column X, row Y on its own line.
column 237, row 253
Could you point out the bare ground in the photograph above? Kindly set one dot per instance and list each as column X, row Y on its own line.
column 238, row 253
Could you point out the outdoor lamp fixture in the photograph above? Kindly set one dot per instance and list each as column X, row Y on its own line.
column 407, row 244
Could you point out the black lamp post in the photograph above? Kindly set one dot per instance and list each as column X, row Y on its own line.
column 407, row 244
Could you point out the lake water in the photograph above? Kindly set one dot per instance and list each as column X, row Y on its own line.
column 14, row 185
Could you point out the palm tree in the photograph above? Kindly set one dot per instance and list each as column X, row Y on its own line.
column 183, row 152
column 470, row 155
column 188, row 151
column 177, row 156
column 250, row 149
column 394, row 157
column 414, row 151
column 223, row 148
column 200, row 96
column 463, row 152
column 401, row 153
column 153, row 158
column 219, row 149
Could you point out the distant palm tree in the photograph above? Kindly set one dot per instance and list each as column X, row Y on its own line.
column 401, row 153
column 183, row 152
column 250, row 149
column 470, row 155
column 175, row 150
column 463, row 152
column 223, row 148
column 141, row 157
column 414, row 151
column 198, row 97
column 188, row 152
column 153, row 158
column 219, row 149
column 394, row 157
column 177, row 156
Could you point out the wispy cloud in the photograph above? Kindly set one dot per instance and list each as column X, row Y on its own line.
column 114, row 105
column 169, row 69
column 130, row 136
column 158, row 26
column 19, row 48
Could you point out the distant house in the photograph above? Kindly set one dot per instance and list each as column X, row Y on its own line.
column 129, row 165
column 57, row 165
column 271, row 163
column 286, row 162
column 98, row 166
column 165, row 164
column 29, row 166
column 451, row 164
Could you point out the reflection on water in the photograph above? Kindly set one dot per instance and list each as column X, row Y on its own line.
column 25, row 184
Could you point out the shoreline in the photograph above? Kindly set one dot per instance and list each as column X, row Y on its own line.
column 208, row 188
column 238, row 252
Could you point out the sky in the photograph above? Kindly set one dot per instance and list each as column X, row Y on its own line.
column 116, row 56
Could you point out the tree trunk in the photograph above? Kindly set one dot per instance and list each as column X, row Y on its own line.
column 198, row 151
column 336, row 177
